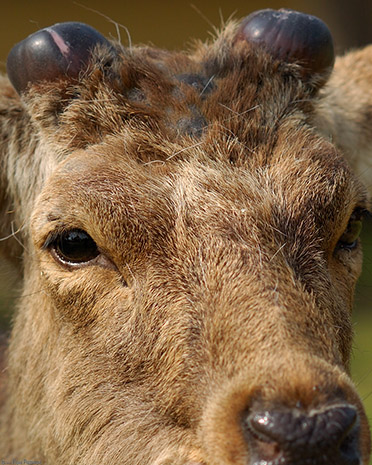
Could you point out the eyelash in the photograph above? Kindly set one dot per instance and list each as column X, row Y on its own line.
column 349, row 240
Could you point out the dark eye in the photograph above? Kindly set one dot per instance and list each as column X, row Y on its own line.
column 74, row 247
column 349, row 239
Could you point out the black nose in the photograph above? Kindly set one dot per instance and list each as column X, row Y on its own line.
column 290, row 436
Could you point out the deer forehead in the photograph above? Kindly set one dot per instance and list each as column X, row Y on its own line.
column 109, row 194
column 229, row 90
column 175, row 98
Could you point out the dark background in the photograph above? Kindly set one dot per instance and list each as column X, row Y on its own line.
column 172, row 24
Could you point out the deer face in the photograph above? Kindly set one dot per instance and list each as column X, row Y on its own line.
column 195, row 242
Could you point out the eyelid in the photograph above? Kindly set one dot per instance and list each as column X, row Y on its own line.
column 52, row 237
column 361, row 212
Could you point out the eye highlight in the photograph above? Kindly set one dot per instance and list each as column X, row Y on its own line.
column 72, row 247
column 349, row 239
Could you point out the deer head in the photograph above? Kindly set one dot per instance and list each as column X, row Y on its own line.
column 190, row 226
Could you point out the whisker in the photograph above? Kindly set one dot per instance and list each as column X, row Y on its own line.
column 228, row 108
column 236, row 113
column 276, row 253
column 13, row 233
column 184, row 150
column 152, row 162
column 110, row 20
column 207, row 84
column 366, row 375
column 202, row 15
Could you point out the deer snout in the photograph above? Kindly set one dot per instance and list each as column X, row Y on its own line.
column 290, row 436
column 264, row 423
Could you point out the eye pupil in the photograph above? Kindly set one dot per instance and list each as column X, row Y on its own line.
column 75, row 246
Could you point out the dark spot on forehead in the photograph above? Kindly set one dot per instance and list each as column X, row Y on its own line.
column 136, row 95
column 193, row 125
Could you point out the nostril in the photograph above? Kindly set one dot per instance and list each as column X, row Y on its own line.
column 292, row 434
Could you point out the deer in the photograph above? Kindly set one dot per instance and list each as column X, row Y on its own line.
column 187, row 225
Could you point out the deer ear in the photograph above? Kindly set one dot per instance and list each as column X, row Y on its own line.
column 343, row 110
column 59, row 51
column 292, row 37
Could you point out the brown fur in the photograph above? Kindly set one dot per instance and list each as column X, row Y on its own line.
column 217, row 210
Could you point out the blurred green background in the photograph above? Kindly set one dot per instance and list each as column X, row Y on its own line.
column 172, row 24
